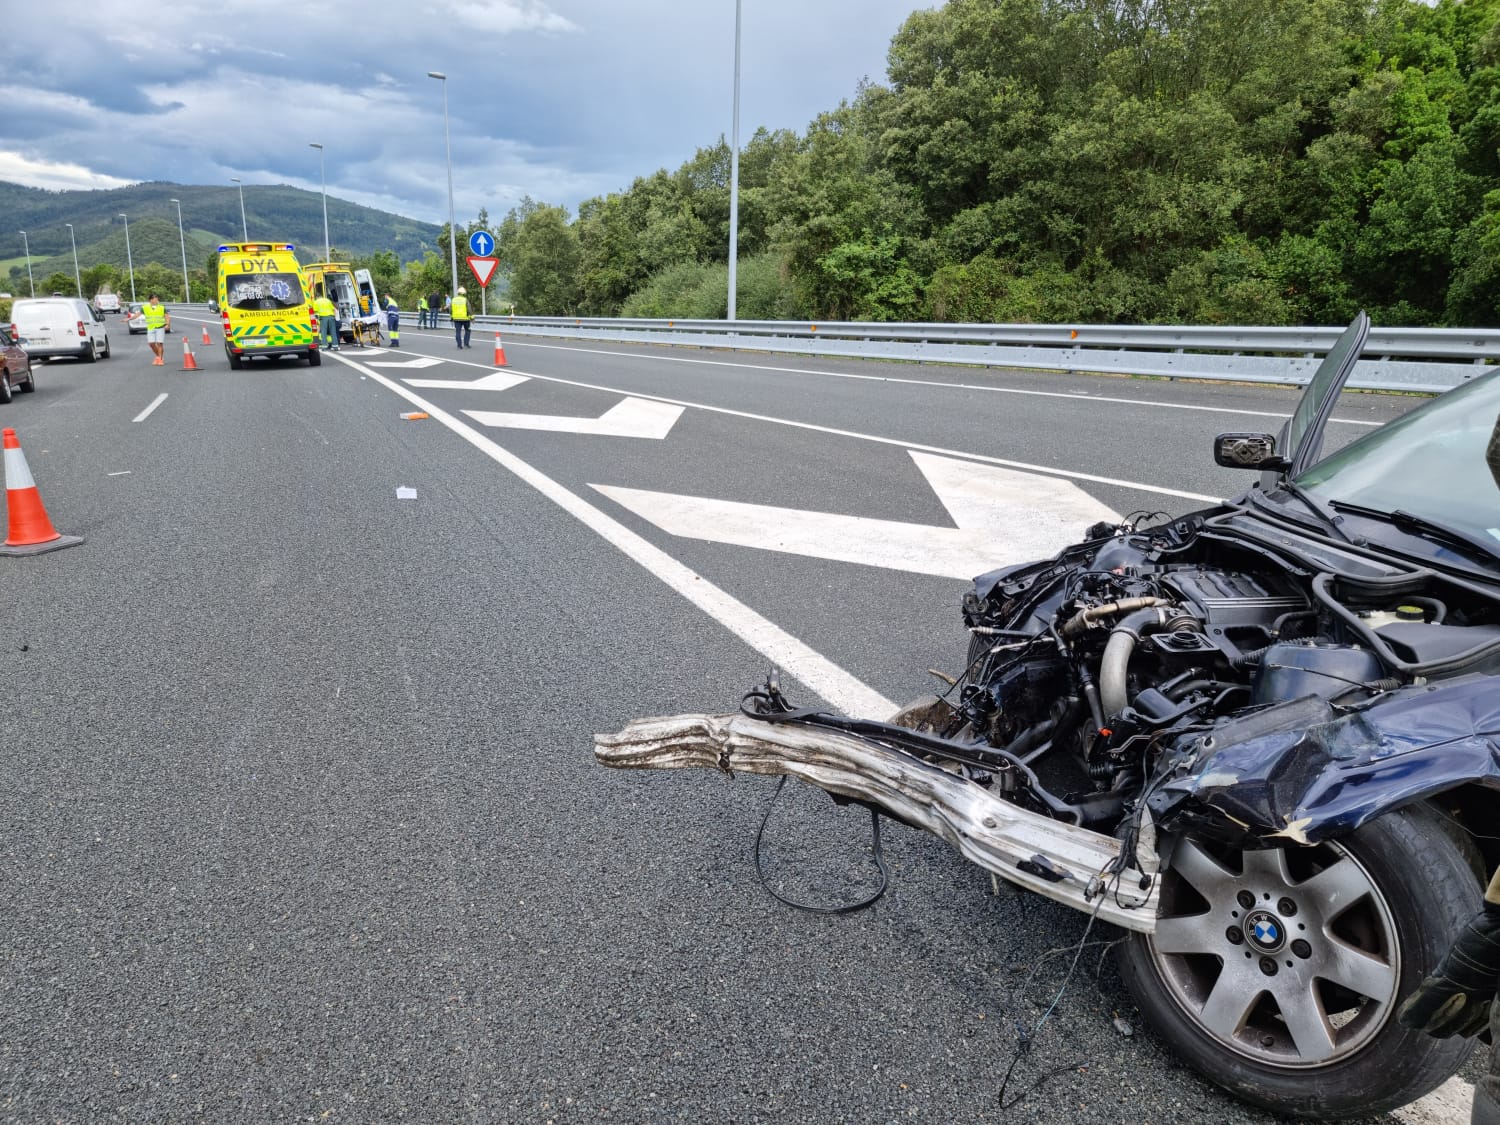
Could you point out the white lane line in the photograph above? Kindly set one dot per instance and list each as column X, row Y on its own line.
column 121, row 473
column 838, row 687
column 934, row 383
column 938, row 449
column 157, row 401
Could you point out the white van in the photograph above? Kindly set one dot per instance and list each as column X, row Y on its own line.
column 107, row 302
column 52, row 326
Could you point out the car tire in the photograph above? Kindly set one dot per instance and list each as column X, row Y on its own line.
column 236, row 363
column 1206, row 983
column 30, row 378
column 5, row 392
column 315, row 359
column 106, row 347
column 90, row 353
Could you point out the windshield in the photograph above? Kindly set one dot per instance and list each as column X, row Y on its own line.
column 1441, row 462
column 263, row 291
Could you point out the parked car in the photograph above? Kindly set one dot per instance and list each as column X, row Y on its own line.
column 135, row 318
column 15, row 367
column 1260, row 737
column 107, row 302
column 48, row 327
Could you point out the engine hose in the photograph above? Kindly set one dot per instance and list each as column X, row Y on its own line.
column 1278, row 627
column 1115, row 665
column 1251, row 656
column 1177, row 691
column 1086, row 619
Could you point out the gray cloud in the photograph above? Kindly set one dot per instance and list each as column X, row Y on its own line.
column 556, row 99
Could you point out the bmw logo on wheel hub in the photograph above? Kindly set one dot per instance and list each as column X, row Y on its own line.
column 1264, row 932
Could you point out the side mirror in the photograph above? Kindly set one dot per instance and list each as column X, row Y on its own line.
column 1247, row 451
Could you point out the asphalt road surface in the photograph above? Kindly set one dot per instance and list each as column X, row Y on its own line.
column 299, row 816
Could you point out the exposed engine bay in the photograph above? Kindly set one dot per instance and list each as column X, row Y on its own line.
column 1125, row 669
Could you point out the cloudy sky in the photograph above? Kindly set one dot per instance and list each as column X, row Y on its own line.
column 557, row 99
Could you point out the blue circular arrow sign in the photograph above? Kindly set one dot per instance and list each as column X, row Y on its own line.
column 482, row 243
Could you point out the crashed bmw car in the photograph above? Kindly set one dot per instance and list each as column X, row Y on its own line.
column 1264, row 738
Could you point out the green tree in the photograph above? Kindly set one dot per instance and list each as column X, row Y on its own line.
column 539, row 251
column 58, row 282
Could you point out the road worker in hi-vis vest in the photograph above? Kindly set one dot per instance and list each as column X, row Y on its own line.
column 158, row 324
column 462, row 321
column 328, row 321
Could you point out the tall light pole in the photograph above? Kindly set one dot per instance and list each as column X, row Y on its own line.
column 26, row 242
column 734, row 177
column 448, row 144
column 322, row 176
column 244, row 226
column 78, row 281
column 187, row 295
column 129, row 261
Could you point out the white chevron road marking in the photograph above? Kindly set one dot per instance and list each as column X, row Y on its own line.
column 634, row 417
column 1003, row 516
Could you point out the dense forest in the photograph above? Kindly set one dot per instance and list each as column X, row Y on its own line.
column 1200, row 161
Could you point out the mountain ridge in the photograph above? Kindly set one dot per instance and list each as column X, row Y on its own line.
column 274, row 212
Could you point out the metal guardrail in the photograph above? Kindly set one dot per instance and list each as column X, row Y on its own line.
column 1428, row 360
column 1405, row 359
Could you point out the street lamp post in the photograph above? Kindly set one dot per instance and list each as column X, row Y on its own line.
column 26, row 242
column 129, row 260
column 734, row 176
column 448, row 144
column 244, row 226
column 322, row 176
column 78, row 281
column 187, row 295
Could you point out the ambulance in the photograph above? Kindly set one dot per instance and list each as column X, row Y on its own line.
column 351, row 291
column 265, row 308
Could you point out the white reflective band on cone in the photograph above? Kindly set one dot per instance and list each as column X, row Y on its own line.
column 17, row 475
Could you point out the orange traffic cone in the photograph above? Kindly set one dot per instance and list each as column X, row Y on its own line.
column 31, row 532
column 188, row 362
column 206, row 340
column 499, row 352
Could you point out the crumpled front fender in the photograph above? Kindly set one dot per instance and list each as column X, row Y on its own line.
column 1325, row 779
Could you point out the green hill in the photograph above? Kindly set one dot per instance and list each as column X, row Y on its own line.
column 209, row 214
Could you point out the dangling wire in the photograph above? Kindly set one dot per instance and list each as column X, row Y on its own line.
column 768, row 700
column 852, row 907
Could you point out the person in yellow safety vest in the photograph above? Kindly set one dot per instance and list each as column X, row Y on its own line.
column 422, row 312
column 328, row 321
column 393, row 320
column 462, row 321
column 158, row 324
